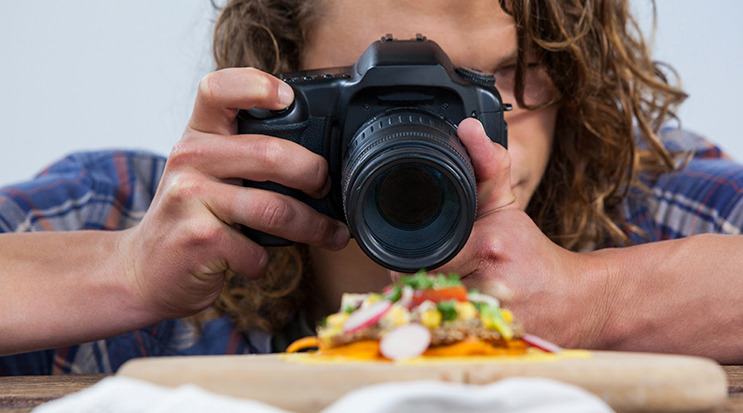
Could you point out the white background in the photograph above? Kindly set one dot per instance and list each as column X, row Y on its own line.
column 90, row 74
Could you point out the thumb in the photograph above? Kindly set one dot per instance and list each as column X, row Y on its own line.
column 492, row 165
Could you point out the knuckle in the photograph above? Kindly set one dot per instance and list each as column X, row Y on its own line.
column 276, row 213
column 258, row 259
column 322, row 231
column 503, row 157
column 204, row 234
column 182, row 188
column 263, row 87
column 185, row 152
column 491, row 248
column 261, row 92
column 319, row 173
column 208, row 87
column 269, row 152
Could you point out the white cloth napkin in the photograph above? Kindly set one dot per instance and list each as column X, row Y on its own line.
column 515, row 395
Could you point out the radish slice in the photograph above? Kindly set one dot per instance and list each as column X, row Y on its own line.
column 366, row 316
column 541, row 343
column 483, row 298
column 406, row 297
column 350, row 300
column 406, row 341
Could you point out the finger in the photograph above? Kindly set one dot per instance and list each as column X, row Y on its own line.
column 466, row 262
column 216, row 248
column 492, row 165
column 181, row 221
column 253, row 157
column 241, row 255
column 485, row 253
column 222, row 93
column 276, row 214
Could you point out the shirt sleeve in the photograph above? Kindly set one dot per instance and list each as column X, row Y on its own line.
column 92, row 190
column 704, row 196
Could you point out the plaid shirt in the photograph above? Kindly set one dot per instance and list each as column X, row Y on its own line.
column 703, row 197
column 111, row 190
column 106, row 190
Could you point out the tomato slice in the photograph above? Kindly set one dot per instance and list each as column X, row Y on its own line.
column 457, row 292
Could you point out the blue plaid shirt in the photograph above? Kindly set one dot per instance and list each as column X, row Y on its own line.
column 111, row 190
column 703, row 197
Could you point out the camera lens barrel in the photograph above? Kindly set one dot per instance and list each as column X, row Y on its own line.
column 409, row 192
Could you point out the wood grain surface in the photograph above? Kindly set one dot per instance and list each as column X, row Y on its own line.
column 23, row 393
column 628, row 382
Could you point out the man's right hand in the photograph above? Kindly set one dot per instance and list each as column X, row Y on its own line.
column 190, row 238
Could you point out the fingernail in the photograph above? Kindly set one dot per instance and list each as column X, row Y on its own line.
column 286, row 94
column 480, row 126
column 342, row 235
column 326, row 187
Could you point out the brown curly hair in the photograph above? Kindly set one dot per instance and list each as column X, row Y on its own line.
column 610, row 90
column 596, row 56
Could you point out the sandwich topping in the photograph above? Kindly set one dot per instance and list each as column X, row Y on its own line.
column 421, row 315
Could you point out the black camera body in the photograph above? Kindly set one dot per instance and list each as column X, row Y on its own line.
column 401, row 179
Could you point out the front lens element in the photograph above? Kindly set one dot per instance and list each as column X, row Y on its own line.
column 410, row 195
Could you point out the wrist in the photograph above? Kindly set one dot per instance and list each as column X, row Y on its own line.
column 64, row 288
column 126, row 279
column 619, row 301
column 588, row 300
column 115, row 295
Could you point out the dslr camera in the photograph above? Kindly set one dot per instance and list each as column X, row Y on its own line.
column 401, row 179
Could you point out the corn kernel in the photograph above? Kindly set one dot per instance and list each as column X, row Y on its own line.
column 336, row 320
column 507, row 315
column 431, row 318
column 487, row 322
column 371, row 299
column 395, row 316
column 465, row 310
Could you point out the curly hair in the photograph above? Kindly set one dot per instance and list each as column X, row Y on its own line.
column 596, row 56
column 610, row 90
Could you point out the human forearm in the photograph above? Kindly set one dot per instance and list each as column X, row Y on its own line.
column 61, row 288
column 680, row 296
column 677, row 296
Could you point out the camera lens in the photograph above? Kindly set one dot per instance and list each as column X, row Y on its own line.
column 409, row 192
column 409, row 196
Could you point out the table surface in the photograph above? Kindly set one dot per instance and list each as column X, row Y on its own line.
column 23, row 393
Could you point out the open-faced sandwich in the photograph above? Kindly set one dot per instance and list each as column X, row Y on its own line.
column 421, row 315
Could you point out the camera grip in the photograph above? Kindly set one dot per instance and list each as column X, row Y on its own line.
column 264, row 239
column 307, row 133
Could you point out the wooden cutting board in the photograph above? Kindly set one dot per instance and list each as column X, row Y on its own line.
column 628, row 382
